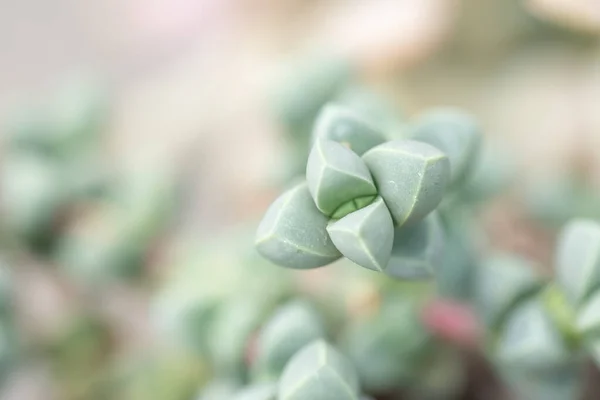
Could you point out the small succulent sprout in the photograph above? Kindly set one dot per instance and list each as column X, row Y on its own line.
column 261, row 391
column 454, row 132
column 418, row 250
column 588, row 317
column 529, row 340
column 502, row 282
column 578, row 259
column 411, row 177
column 293, row 326
column 318, row 372
column 293, row 232
column 336, row 175
column 343, row 125
column 365, row 236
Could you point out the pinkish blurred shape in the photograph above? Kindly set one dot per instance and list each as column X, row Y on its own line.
column 384, row 34
column 174, row 19
column 452, row 321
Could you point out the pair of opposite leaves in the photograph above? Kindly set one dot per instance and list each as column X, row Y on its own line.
column 367, row 198
column 318, row 371
column 520, row 303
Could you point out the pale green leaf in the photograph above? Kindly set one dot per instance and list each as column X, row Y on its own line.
column 501, row 282
column 455, row 133
column 529, row 340
column 418, row 250
column 341, row 124
column 336, row 175
column 578, row 259
column 411, row 177
column 318, row 372
column 293, row 326
column 293, row 232
column 365, row 236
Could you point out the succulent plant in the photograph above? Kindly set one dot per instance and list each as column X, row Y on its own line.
column 372, row 198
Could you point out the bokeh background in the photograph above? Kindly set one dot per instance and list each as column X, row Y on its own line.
column 191, row 87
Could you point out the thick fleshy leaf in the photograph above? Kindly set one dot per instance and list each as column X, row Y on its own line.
column 529, row 340
column 365, row 236
column 336, row 175
column 31, row 194
column 588, row 317
column 293, row 232
column 411, row 177
column 318, row 372
column 578, row 259
column 292, row 327
column 341, row 124
column 307, row 87
column 556, row 382
column 455, row 279
column 455, row 133
column 418, row 250
column 377, row 108
column 501, row 283
column 387, row 348
column 232, row 330
column 263, row 391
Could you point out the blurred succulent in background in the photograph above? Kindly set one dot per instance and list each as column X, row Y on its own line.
column 542, row 329
column 62, row 199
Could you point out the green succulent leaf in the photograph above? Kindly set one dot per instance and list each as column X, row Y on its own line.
column 556, row 382
column 32, row 194
column 237, row 320
column 293, row 232
column 501, row 283
column 318, row 372
column 365, row 236
column 341, row 124
column 411, row 177
column 293, row 326
column 387, row 348
column 377, row 108
column 262, row 391
column 455, row 133
column 588, row 317
column 307, row 87
column 578, row 259
column 529, row 340
column 336, row 175
column 418, row 250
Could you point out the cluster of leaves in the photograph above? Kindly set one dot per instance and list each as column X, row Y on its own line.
column 370, row 197
column 64, row 204
column 542, row 329
column 62, row 200
column 249, row 320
